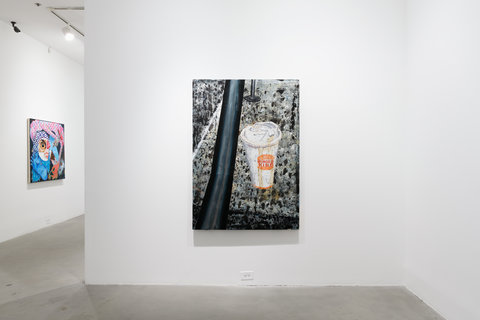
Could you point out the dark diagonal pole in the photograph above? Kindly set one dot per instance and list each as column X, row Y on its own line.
column 214, row 211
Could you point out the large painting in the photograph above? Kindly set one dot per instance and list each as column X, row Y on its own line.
column 245, row 154
column 46, row 150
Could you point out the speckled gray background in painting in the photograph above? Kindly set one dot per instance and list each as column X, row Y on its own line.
column 207, row 95
column 251, row 208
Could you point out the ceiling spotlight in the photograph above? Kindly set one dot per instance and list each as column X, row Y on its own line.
column 15, row 28
column 68, row 33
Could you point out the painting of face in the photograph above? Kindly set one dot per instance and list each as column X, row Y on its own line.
column 245, row 154
column 46, row 150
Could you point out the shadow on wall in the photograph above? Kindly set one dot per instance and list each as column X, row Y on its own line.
column 232, row 238
column 44, row 184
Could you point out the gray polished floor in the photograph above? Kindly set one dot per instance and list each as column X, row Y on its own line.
column 41, row 278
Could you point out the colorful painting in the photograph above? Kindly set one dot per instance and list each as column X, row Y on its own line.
column 245, row 154
column 46, row 150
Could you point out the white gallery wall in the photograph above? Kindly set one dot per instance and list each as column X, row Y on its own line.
column 350, row 59
column 47, row 86
column 443, row 159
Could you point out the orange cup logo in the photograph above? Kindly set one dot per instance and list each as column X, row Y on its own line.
column 265, row 162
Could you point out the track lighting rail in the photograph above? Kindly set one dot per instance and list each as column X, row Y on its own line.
column 53, row 9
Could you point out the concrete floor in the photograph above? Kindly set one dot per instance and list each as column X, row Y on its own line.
column 41, row 278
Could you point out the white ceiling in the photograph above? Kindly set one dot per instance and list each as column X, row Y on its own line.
column 41, row 24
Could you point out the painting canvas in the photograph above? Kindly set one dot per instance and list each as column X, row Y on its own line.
column 46, row 150
column 245, row 154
